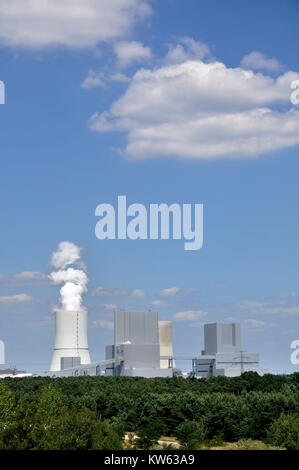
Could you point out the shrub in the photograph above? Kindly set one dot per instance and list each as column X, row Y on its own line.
column 149, row 434
column 217, row 440
column 190, row 434
column 284, row 431
column 250, row 444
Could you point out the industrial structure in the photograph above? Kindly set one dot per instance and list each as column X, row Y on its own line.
column 13, row 373
column 71, row 345
column 143, row 348
column 223, row 354
column 136, row 349
column 165, row 341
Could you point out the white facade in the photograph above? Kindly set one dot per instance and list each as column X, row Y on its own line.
column 165, row 340
column 70, row 337
column 234, row 364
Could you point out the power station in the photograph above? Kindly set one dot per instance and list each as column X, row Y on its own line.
column 143, row 348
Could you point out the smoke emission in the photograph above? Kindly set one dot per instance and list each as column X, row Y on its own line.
column 67, row 253
column 75, row 280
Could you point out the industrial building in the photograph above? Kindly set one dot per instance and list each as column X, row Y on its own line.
column 143, row 348
column 13, row 373
column 165, row 341
column 223, row 354
column 136, row 348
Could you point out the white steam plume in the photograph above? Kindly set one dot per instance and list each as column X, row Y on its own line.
column 75, row 280
column 66, row 253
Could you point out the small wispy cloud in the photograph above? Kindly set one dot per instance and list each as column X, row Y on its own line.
column 189, row 315
column 175, row 291
column 15, row 299
column 119, row 77
column 128, row 52
column 185, row 49
column 102, row 324
column 119, row 291
column 255, row 307
column 159, row 303
column 93, row 80
column 138, row 294
column 100, row 79
column 258, row 61
column 109, row 306
column 258, row 323
column 24, row 278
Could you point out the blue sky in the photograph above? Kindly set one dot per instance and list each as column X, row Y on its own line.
column 171, row 132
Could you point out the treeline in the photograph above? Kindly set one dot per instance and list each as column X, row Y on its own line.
column 96, row 412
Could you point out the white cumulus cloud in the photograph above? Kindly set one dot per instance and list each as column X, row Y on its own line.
column 37, row 24
column 202, row 111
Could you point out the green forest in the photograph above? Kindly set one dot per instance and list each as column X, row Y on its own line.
column 83, row 413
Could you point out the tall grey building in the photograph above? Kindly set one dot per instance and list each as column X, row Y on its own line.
column 135, row 327
column 136, row 344
column 222, row 337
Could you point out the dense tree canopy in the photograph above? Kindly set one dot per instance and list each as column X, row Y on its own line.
column 95, row 412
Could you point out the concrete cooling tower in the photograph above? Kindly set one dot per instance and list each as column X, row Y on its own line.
column 70, row 337
column 165, row 340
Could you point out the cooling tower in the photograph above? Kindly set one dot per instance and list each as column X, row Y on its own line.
column 70, row 337
column 165, row 340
